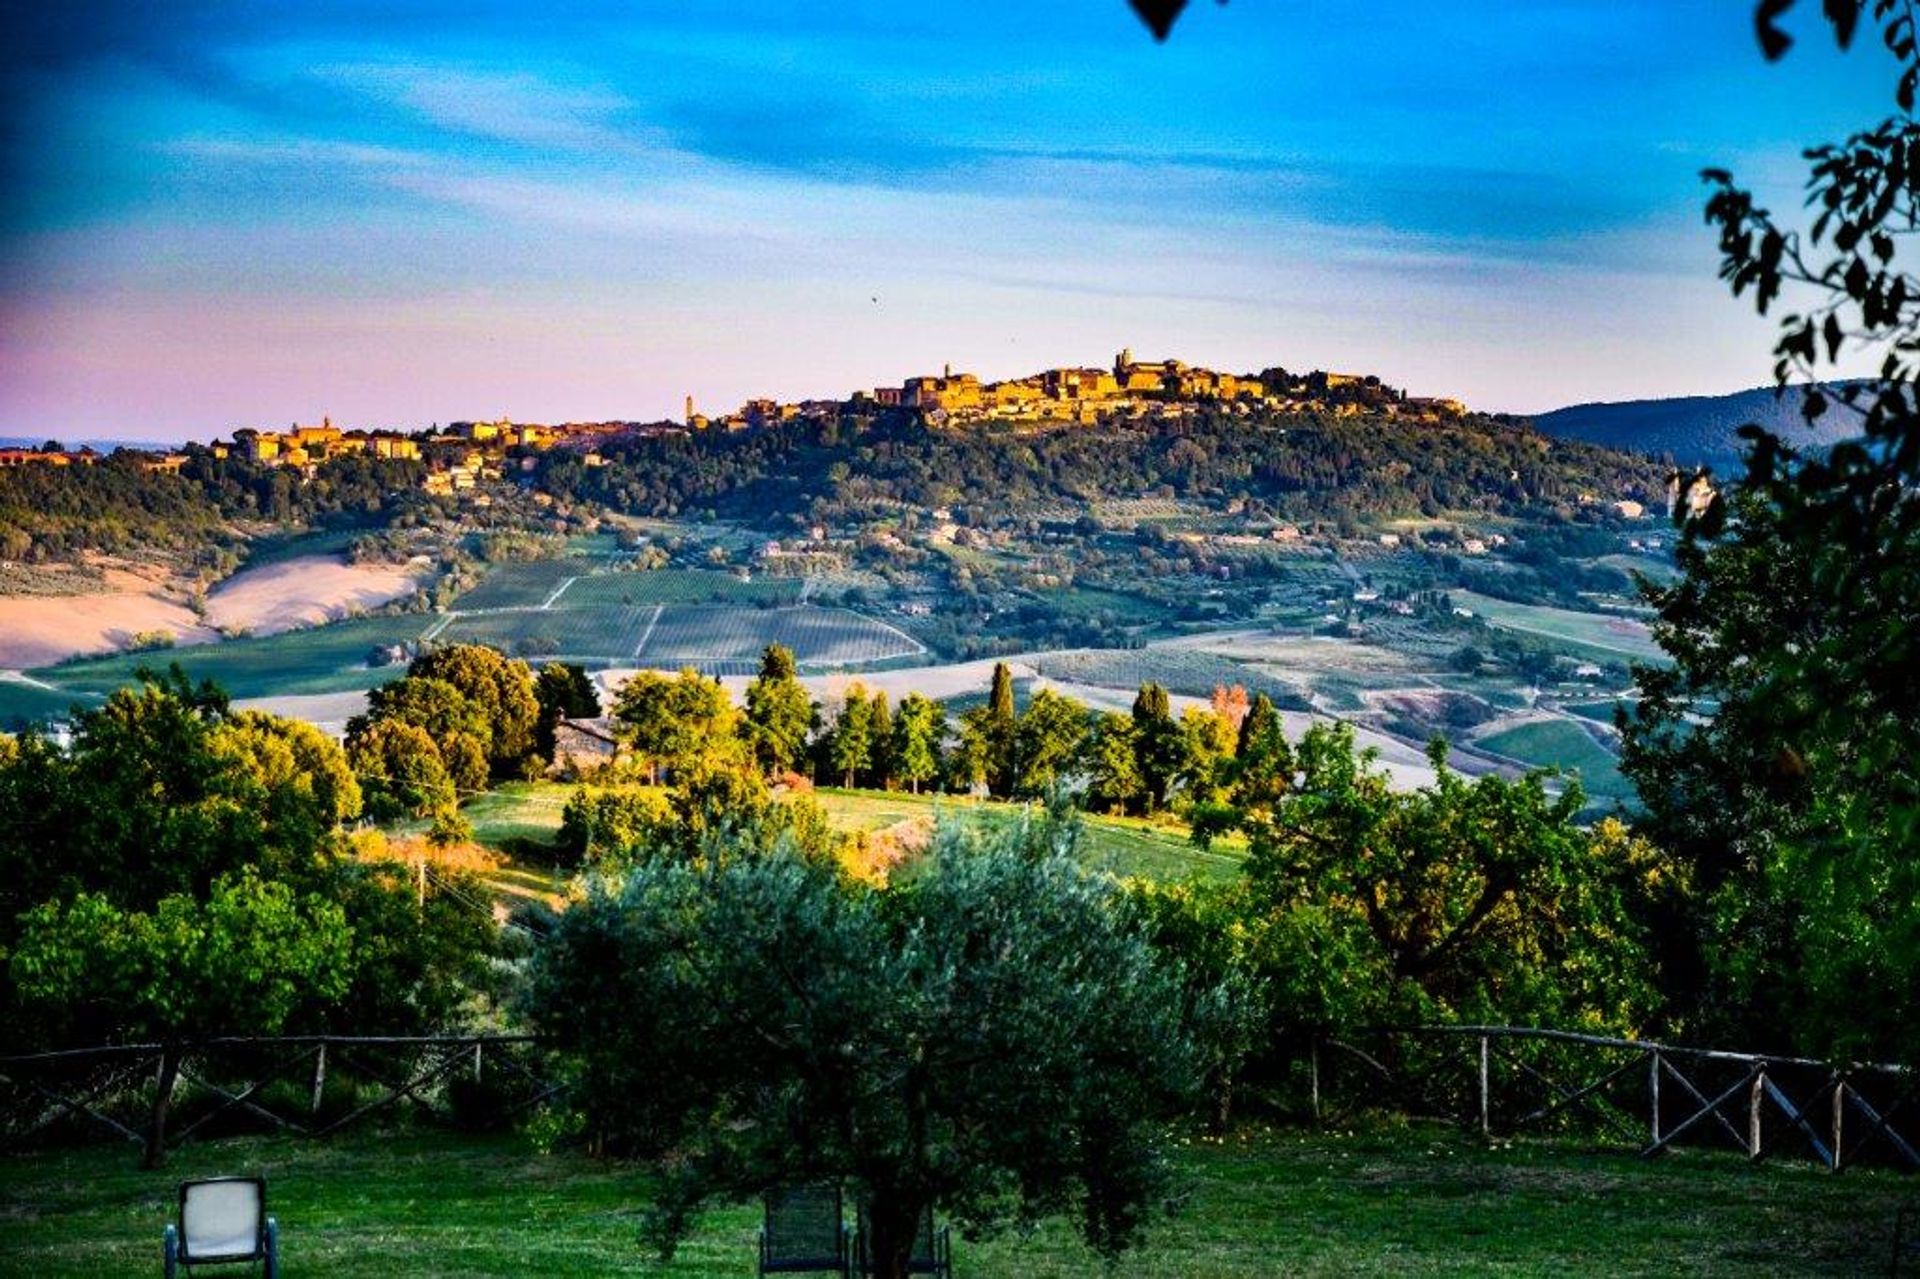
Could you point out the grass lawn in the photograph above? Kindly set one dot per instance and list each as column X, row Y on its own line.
column 1411, row 1202
column 1126, row 846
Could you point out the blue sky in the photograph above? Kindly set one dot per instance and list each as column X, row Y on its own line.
column 227, row 214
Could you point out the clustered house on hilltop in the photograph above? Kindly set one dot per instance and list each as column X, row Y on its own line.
column 1143, row 388
column 460, row 457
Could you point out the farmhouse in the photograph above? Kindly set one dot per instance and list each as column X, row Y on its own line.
column 582, row 747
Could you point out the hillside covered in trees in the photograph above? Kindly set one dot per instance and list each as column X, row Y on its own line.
column 1299, row 466
column 853, row 468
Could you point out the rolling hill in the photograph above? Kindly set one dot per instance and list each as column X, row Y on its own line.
column 1695, row 430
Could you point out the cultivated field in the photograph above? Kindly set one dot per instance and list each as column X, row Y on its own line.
column 1189, row 671
column 680, row 586
column 711, row 637
column 1601, row 637
column 36, row 630
column 525, row 584
column 594, row 634
column 304, row 591
column 325, row 659
column 1561, row 743
column 25, row 702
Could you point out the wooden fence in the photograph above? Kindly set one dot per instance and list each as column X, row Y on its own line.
column 305, row 1085
column 1496, row 1080
column 1638, row 1094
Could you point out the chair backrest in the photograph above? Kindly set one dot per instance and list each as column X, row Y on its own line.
column 223, row 1219
column 804, row 1224
column 924, row 1248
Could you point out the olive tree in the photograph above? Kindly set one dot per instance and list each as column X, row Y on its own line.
column 992, row 1038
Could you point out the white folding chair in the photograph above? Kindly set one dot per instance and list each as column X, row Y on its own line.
column 223, row 1219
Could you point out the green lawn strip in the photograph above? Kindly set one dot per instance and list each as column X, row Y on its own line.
column 1125, row 846
column 1413, row 1201
column 518, row 810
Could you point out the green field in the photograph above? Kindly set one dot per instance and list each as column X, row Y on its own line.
column 1598, row 712
column 322, row 659
column 22, row 705
column 1415, row 1201
column 523, row 584
column 710, row 636
column 680, row 586
column 609, row 633
column 1596, row 636
column 1561, row 743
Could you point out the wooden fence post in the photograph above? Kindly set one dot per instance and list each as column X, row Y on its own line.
column 476, row 1060
column 319, row 1078
column 1754, row 1096
column 1839, row 1110
column 1313, row 1075
column 1486, row 1105
column 1653, row 1095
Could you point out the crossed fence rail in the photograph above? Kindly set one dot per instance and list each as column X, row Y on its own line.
column 1497, row 1080
column 302, row 1085
column 1641, row 1094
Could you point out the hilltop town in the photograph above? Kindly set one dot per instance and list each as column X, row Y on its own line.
column 463, row 455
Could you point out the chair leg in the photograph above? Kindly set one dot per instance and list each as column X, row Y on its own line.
column 170, row 1250
column 273, row 1249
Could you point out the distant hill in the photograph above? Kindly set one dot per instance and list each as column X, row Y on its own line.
column 1696, row 430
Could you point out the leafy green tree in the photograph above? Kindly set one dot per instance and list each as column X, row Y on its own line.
column 781, row 715
column 1469, row 900
column 1049, row 741
column 501, row 692
column 880, row 768
column 562, row 690
column 684, row 723
column 240, row 962
column 1775, row 755
column 1207, row 741
column 714, row 817
column 288, row 771
column 992, row 1039
column 456, row 723
column 400, row 771
column 1221, row 950
column 971, row 761
column 1002, row 733
column 850, row 741
column 597, row 823
column 1112, row 765
column 163, row 790
column 1263, row 763
column 918, row 734
column 1156, row 739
